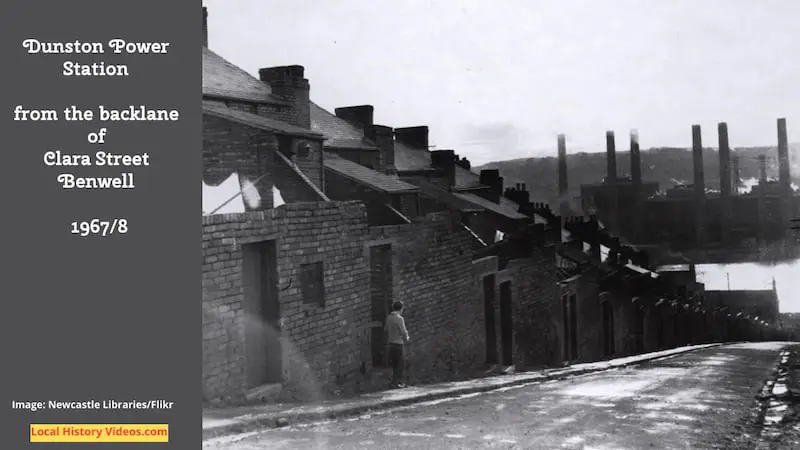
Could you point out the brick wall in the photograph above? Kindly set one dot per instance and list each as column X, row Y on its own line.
column 761, row 303
column 294, row 90
column 538, row 328
column 229, row 147
column 284, row 113
column 625, row 323
column 432, row 275
column 408, row 204
column 321, row 345
column 276, row 112
column 661, row 318
column 589, row 328
column 481, row 269
column 652, row 321
column 428, row 205
column 309, row 163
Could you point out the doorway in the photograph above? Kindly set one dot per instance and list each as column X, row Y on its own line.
column 506, row 323
column 639, row 328
column 263, row 349
column 489, row 318
column 570, row 320
column 380, row 299
column 608, row 328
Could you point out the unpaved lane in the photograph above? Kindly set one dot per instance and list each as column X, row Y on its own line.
column 698, row 400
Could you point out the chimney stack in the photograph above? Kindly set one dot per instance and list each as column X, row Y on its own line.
column 414, row 137
column 611, row 158
column 611, row 181
column 382, row 136
column 636, row 159
column 492, row 178
column 699, row 185
column 562, row 176
column 290, row 84
column 636, row 178
column 724, row 161
column 725, row 180
column 784, row 172
column 361, row 115
column 445, row 160
column 205, row 27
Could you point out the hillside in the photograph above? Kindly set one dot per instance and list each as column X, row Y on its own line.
column 663, row 165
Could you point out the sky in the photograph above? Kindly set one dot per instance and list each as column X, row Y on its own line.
column 500, row 80
column 721, row 277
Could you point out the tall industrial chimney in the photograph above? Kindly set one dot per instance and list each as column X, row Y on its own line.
column 563, row 186
column 699, row 186
column 611, row 181
column 636, row 178
column 725, row 181
column 636, row 159
column 784, row 174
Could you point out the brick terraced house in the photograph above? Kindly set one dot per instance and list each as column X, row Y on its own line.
column 314, row 222
column 305, row 248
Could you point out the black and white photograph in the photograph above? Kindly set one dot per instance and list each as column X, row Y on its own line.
column 511, row 224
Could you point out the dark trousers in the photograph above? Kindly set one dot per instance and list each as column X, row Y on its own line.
column 396, row 362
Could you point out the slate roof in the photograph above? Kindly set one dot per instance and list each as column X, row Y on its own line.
column 466, row 178
column 222, row 78
column 338, row 132
column 447, row 198
column 503, row 209
column 507, row 203
column 366, row 176
column 407, row 158
column 573, row 254
column 221, row 111
column 410, row 159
